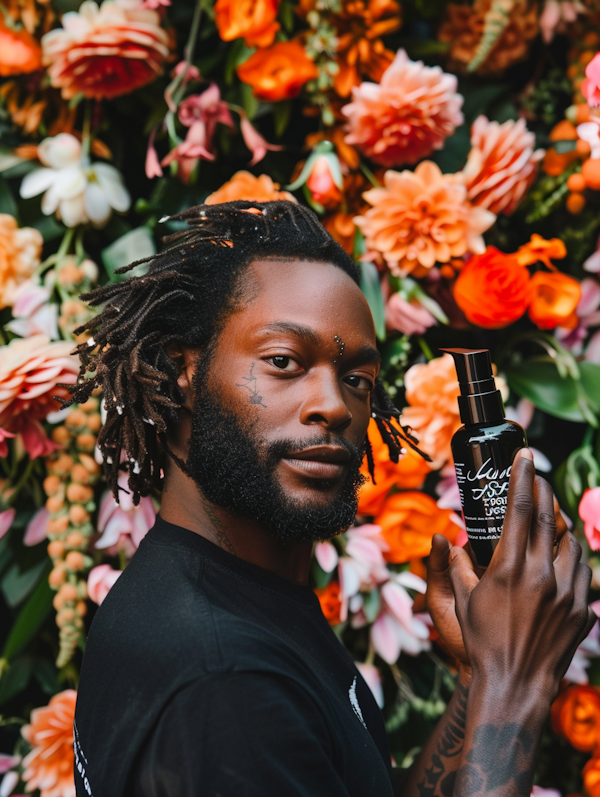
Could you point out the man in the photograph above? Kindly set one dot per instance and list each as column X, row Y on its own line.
column 243, row 368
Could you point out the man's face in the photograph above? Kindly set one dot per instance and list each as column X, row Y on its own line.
column 282, row 404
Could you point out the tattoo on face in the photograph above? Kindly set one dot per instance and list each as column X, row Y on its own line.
column 449, row 746
column 342, row 346
column 249, row 384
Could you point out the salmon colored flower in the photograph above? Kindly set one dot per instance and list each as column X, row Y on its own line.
column 422, row 218
column 589, row 512
column 409, row 472
column 20, row 251
column 20, row 52
column 590, row 88
column 502, row 164
column 49, row 766
column 321, row 184
column 244, row 185
column 407, row 116
column 331, row 604
column 576, row 716
column 553, row 299
column 492, row 289
column 409, row 520
column 104, row 51
column 30, row 371
column 541, row 250
column 252, row 20
column 278, row 72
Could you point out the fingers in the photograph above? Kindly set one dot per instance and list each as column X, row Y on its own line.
column 543, row 530
column 561, row 526
column 567, row 561
column 463, row 578
column 438, row 558
column 512, row 546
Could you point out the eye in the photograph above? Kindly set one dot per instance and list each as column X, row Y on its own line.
column 284, row 363
column 359, row 382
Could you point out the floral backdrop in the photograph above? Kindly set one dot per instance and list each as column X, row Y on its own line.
column 453, row 148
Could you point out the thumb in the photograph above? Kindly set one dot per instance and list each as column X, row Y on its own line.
column 463, row 578
column 438, row 561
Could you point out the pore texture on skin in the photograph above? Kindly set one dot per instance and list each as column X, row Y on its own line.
column 236, row 471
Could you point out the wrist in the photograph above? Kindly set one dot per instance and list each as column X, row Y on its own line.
column 465, row 675
column 512, row 693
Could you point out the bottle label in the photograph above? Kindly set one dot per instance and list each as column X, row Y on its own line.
column 483, row 495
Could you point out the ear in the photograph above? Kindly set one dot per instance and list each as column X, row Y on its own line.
column 186, row 359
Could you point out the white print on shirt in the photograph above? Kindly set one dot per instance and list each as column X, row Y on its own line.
column 354, row 702
column 80, row 759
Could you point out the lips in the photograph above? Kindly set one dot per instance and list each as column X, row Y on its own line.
column 320, row 462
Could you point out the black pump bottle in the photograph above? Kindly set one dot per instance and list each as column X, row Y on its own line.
column 483, row 451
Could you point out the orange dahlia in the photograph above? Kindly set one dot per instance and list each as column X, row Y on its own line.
column 421, row 218
column 254, row 20
column 278, row 72
column 20, row 53
column 502, row 164
column 20, row 250
column 244, row 185
column 104, row 51
column 407, row 116
column 49, row 766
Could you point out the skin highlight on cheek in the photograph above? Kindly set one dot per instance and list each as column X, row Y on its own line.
column 249, row 383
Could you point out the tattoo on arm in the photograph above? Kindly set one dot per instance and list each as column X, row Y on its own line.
column 450, row 745
column 499, row 754
column 249, row 384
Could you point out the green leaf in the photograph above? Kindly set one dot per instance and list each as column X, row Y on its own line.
column 320, row 578
column 590, row 381
column 8, row 159
column 369, row 284
column 282, row 113
column 7, row 200
column 371, row 605
column 134, row 245
column 249, row 101
column 29, row 621
column 540, row 382
column 237, row 53
column 16, row 585
column 15, row 678
column 46, row 675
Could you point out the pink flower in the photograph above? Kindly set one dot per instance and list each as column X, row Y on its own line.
column 397, row 629
column 326, row 555
column 4, row 436
column 372, row 677
column 6, row 519
column 100, row 581
column 411, row 318
column 537, row 791
column 407, row 116
column 590, row 88
column 152, row 165
column 37, row 528
column 124, row 526
column 589, row 648
column 363, row 565
column 33, row 312
column 588, row 314
column 589, row 512
column 257, row 145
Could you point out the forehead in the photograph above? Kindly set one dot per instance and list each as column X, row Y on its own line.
column 313, row 294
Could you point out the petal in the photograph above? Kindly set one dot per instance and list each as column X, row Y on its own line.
column 385, row 638
column 326, row 555
column 6, row 519
column 37, row 528
column 96, row 205
column 37, row 182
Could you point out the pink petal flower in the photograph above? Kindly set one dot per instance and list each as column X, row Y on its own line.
column 37, row 528
column 372, row 677
column 257, row 145
column 385, row 638
column 411, row 318
column 153, row 168
column 590, row 88
column 399, row 603
column 6, row 519
column 537, row 791
column 4, row 436
column 7, row 762
column 100, row 581
column 326, row 555
column 589, row 512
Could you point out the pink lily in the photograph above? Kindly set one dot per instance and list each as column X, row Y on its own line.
column 396, row 628
column 257, row 145
column 100, row 580
column 6, row 519
column 589, row 512
column 33, row 312
column 411, row 318
column 4, row 436
column 37, row 528
column 372, row 677
column 326, row 555
column 153, row 168
column 590, row 88
column 124, row 525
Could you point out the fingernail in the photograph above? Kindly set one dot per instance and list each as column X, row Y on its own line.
column 526, row 453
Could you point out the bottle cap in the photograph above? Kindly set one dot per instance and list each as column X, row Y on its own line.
column 479, row 401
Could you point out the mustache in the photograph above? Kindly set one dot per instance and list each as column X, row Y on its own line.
column 281, row 448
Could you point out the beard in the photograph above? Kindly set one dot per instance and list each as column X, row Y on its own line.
column 236, row 471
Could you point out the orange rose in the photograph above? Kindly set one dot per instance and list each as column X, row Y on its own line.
column 553, row 299
column 278, row 72
column 329, row 598
column 408, row 522
column 492, row 290
column 244, row 185
column 20, row 53
column 254, row 20
column 576, row 716
column 591, row 777
column 410, row 471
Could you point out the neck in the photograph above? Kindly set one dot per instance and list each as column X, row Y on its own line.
column 184, row 505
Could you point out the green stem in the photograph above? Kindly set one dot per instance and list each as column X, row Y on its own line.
column 86, row 139
column 65, row 244
column 79, row 248
column 189, row 48
column 122, row 558
column 21, row 483
column 369, row 175
column 425, row 348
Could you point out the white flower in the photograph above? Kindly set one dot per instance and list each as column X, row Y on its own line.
column 76, row 190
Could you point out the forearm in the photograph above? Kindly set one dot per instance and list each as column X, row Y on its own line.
column 435, row 768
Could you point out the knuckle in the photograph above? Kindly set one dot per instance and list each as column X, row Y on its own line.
column 546, row 520
column 522, row 505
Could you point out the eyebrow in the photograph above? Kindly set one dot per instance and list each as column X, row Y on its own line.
column 366, row 354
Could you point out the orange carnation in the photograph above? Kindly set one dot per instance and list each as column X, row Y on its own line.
column 103, row 51
column 431, row 393
column 410, row 471
column 244, row 185
column 49, row 766
column 422, row 218
column 553, row 299
column 278, row 72
column 492, row 289
column 20, row 53
column 20, row 250
column 576, row 716
column 254, row 20
column 408, row 522
column 330, row 601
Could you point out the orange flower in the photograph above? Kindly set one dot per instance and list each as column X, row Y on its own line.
column 321, row 184
column 492, row 289
column 410, row 471
column 553, row 300
column 341, row 226
column 330, row 601
column 409, row 521
column 244, row 185
column 502, row 164
column 431, row 393
column 20, row 250
column 20, row 53
column 102, row 52
column 407, row 116
column 49, row 766
column 556, row 162
column 254, row 20
column 422, row 218
column 278, row 72
column 576, row 716
column 540, row 250
column 591, row 778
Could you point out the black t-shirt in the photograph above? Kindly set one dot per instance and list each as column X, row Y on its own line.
column 207, row 676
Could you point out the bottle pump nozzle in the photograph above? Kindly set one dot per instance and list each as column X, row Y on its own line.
column 479, row 401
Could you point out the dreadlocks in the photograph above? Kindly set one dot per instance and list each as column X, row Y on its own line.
column 185, row 296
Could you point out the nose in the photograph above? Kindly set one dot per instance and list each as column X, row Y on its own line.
column 323, row 403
